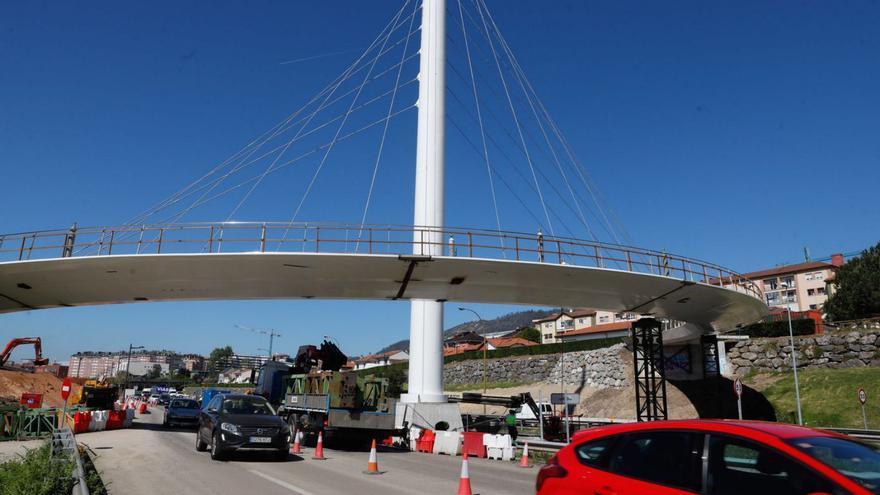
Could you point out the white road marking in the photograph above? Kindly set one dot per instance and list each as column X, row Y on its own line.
column 281, row 483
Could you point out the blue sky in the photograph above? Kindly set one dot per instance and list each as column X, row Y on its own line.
column 737, row 132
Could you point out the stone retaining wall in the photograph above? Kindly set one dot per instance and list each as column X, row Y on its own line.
column 839, row 350
column 602, row 368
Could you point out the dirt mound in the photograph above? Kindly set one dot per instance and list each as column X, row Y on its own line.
column 15, row 383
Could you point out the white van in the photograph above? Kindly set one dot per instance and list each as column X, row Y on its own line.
column 525, row 412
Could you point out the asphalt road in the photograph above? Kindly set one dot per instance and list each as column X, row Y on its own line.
column 149, row 459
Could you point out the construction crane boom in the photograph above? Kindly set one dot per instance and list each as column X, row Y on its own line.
column 38, row 350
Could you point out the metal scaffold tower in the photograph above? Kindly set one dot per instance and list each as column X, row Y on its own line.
column 650, row 376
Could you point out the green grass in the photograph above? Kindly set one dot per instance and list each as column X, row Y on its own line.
column 828, row 397
column 36, row 474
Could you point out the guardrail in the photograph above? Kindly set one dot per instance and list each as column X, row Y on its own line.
column 241, row 237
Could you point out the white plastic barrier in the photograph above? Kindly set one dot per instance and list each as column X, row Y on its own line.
column 499, row 447
column 447, row 442
column 129, row 417
column 100, row 418
column 93, row 421
column 414, row 433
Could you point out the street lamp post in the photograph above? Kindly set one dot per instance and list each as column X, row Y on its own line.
column 485, row 347
column 797, row 389
column 128, row 366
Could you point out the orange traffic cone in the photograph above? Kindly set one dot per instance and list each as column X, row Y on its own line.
column 297, row 448
column 464, row 482
column 319, row 449
column 524, row 460
column 373, row 463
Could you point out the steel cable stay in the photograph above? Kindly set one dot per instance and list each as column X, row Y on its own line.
column 260, row 139
column 518, row 145
column 324, row 103
column 482, row 130
column 254, row 146
column 385, row 132
column 335, row 137
column 512, row 163
column 520, row 74
column 516, row 66
column 519, row 128
column 517, row 196
column 306, row 124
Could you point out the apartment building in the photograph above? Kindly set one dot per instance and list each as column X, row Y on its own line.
column 97, row 364
column 583, row 323
column 798, row 287
column 93, row 364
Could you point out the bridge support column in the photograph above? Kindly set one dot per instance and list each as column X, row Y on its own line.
column 650, row 374
column 426, row 317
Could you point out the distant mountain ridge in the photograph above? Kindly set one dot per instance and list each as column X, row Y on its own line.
column 505, row 323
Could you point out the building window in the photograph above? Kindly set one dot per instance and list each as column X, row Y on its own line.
column 788, row 281
column 809, row 276
column 811, row 292
column 603, row 319
column 819, row 275
column 820, row 290
column 770, row 284
column 812, row 306
column 773, row 298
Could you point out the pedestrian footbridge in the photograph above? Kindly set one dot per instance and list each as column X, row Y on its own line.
column 240, row 261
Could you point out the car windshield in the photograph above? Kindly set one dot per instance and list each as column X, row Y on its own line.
column 856, row 460
column 247, row 405
column 185, row 404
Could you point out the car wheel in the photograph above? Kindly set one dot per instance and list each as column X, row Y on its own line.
column 201, row 446
column 216, row 452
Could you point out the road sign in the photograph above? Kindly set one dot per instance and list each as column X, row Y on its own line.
column 738, row 390
column 565, row 399
column 863, row 397
column 65, row 388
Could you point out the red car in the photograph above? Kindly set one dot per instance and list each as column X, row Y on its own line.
column 711, row 457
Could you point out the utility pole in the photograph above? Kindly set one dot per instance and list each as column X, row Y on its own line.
column 485, row 346
column 425, row 383
column 128, row 366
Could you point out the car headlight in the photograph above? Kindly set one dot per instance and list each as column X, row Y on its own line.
column 231, row 428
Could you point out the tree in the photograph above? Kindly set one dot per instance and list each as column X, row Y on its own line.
column 219, row 356
column 527, row 333
column 857, row 285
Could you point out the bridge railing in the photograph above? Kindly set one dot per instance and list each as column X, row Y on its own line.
column 241, row 237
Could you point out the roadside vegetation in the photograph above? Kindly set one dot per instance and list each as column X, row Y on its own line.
column 828, row 396
column 35, row 473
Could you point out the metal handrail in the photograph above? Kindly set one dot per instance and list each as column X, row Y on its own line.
column 248, row 237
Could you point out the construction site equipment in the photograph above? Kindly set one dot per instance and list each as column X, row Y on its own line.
column 553, row 426
column 314, row 396
column 97, row 394
column 39, row 360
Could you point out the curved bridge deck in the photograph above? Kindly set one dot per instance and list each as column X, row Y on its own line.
column 280, row 261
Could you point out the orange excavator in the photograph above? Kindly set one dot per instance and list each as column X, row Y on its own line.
column 39, row 360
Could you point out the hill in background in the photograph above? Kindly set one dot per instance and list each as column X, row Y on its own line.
column 505, row 323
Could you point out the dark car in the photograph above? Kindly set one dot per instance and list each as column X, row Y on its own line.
column 182, row 412
column 232, row 422
column 164, row 399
